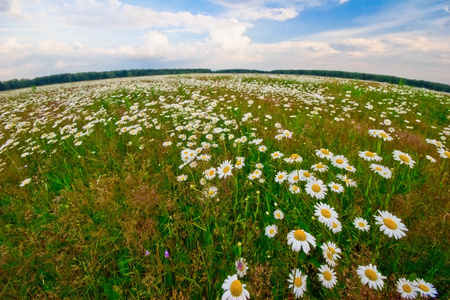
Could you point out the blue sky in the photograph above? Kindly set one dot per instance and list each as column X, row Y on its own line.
column 403, row 38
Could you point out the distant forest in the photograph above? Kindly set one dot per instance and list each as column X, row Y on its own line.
column 84, row 76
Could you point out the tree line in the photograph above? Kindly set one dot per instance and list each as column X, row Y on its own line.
column 85, row 76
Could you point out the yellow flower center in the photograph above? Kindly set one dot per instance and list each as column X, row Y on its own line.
column 211, row 172
column 326, row 213
column 349, row 168
column 407, row 288
column 294, row 156
column 316, row 188
column 336, row 187
column 281, row 176
column 330, row 255
column 236, row 288
column 384, row 135
column 371, row 274
column 211, row 192
column 446, row 153
column 298, row 281
column 339, row 161
column 325, row 151
column 306, row 174
column 327, row 275
column 390, row 223
column 238, row 163
column 295, row 188
column 226, row 169
column 369, row 154
column 404, row 158
column 361, row 224
column 271, row 230
column 335, row 225
column 332, row 250
column 300, row 235
column 295, row 178
column 423, row 287
column 319, row 166
column 378, row 169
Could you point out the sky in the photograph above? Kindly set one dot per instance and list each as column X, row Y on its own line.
column 408, row 39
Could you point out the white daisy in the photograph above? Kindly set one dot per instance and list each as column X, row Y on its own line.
column 325, row 213
column 281, row 176
column 336, row 226
column 327, row 276
column 306, row 176
column 381, row 170
column 324, row 153
column 430, row 158
column 403, row 158
column 297, row 282
column 271, row 230
column 294, row 189
column 350, row 168
column 316, row 189
column 211, row 192
column 361, row 224
column 300, row 239
column 224, row 170
column 210, row 173
column 182, row 177
column 276, row 154
column 241, row 267
column 262, row 148
column 425, row 289
column 331, row 253
column 287, row 134
column 391, row 225
column 380, row 134
column 293, row 158
column 204, row 157
column 278, row 214
column 319, row 167
column 294, row 176
column 369, row 156
column 348, row 181
column 370, row 275
column 25, row 182
column 443, row 153
column 336, row 187
column 406, row 288
column 234, row 289
column 239, row 162
column 339, row 161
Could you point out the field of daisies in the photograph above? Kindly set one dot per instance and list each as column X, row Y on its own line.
column 224, row 187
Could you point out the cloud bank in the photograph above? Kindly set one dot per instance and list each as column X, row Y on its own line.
column 42, row 37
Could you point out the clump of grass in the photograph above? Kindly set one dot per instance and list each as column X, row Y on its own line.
column 104, row 192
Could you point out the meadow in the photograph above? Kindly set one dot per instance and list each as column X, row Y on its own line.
column 224, row 187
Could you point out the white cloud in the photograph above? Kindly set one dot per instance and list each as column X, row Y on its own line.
column 12, row 46
column 155, row 44
column 228, row 35
column 256, row 13
column 55, row 47
column 12, row 8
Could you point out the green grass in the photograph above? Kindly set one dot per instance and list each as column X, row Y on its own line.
column 97, row 217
